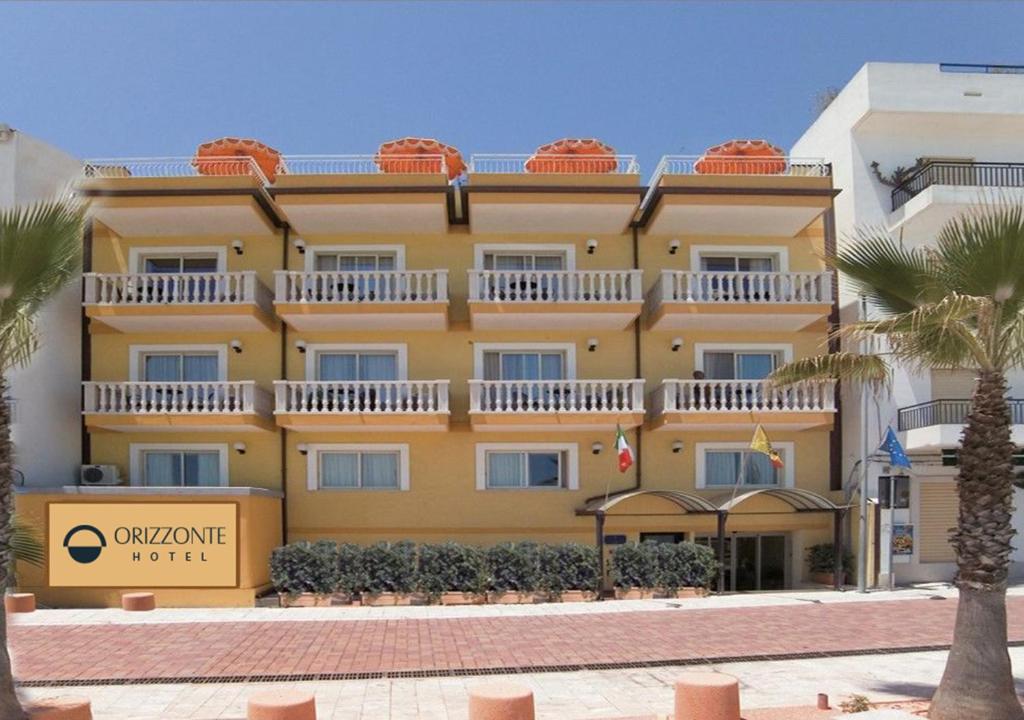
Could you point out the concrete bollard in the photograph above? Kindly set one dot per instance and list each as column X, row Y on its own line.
column 500, row 701
column 823, row 701
column 138, row 602
column 60, row 708
column 707, row 696
column 282, row 705
column 19, row 603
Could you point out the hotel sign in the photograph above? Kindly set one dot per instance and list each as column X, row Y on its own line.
column 142, row 544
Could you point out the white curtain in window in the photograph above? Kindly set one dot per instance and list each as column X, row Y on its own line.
column 754, row 366
column 325, row 263
column 759, row 470
column 504, row 469
column 518, row 366
column 339, row 470
column 336, row 366
column 378, row 367
column 721, row 467
column 510, row 262
column 380, row 470
column 202, row 469
column 755, row 264
column 548, row 262
column 162, row 368
column 162, row 469
column 199, row 368
column 551, row 366
column 492, row 366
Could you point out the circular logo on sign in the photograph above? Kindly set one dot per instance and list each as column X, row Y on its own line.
column 84, row 543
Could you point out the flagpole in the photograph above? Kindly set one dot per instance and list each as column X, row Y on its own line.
column 862, row 544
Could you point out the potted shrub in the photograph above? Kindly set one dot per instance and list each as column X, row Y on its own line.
column 569, row 572
column 351, row 574
column 683, row 569
column 512, row 572
column 634, row 571
column 305, row 574
column 821, row 564
column 451, row 573
column 390, row 570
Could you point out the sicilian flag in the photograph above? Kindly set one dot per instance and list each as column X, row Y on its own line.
column 762, row 444
column 897, row 455
column 623, row 450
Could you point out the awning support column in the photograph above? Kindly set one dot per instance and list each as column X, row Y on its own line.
column 837, row 549
column 599, row 527
column 721, row 550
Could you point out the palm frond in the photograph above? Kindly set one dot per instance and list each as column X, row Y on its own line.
column 26, row 546
column 871, row 369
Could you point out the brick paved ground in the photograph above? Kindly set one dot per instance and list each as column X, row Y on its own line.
column 231, row 649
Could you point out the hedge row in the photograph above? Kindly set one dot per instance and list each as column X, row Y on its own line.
column 325, row 567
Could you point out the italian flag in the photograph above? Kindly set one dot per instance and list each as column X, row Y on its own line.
column 624, row 451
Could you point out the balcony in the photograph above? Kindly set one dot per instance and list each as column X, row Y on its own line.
column 749, row 196
column 365, row 405
column 554, row 299
column 783, row 301
column 177, row 302
column 531, row 405
column 938, row 424
column 169, row 197
column 331, row 194
column 553, row 193
column 362, row 300
column 938, row 191
column 222, row 406
column 740, row 404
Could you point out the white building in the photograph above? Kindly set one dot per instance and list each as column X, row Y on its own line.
column 47, row 397
column 959, row 132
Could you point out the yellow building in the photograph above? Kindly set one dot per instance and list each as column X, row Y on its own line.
column 394, row 355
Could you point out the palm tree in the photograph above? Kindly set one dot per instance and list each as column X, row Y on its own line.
column 959, row 304
column 40, row 252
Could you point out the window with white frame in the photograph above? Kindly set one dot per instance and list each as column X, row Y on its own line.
column 359, row 467
column 356, row 365
column 160, row 465
column 524, row 365
column 330, row 261
column 738, row 263
column 740, row 364
column 502, row 466
column 517, row 260
column 198, row 263
column 179, row 366
column 729, row 464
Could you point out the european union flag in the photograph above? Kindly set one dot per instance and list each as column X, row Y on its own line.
column 891, row 444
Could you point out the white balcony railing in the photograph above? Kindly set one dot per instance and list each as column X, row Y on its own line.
column 571, row 396
column 170, row 167
column 362, row 164
column 739, row 288
column 576, row 286
column 364, row 286
column 555, row 164
column 743, row 396
column 158, row 289
column 378, row 397
column 176, row 398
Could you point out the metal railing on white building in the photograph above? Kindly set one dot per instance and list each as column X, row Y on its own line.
column 554, row 164
column 170, row 167
column 380, row 397
column 361, row 286
column 362, row 164
column 573, row 396
column 576, row 286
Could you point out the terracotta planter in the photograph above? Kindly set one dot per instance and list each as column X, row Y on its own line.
column 394, row 599
column 303, row 600
column 633, row 594
column 826, row 579
column 343, row 599
column 462, row 598
column 578, row 596
column 686, row 592
column 512, row 597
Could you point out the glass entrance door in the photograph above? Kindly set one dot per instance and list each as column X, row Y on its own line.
column 752, row 561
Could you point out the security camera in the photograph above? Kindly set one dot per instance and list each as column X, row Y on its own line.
column 300, row 245
column 676, row 344
column 596, row 448
column 236, row 345
column 300, row 345
column 591, row 246
column 677, row 446
column 240, row 448
column 302, row 448
column 673, row 247
column 237, row 246
column 592, row 344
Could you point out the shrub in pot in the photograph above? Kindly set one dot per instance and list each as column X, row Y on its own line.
column 512, row 571
column 634, row 570
column 821, row 563
column 451, row 572
column 351, row 571
column 568, row 571
column 682, row 566
column 305, row 573
column 390, row 571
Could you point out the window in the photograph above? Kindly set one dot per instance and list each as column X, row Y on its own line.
column 743, row 365
column 737, row 263
column 162, row 465
column 180, row 367
column 358, row 467
column 520, row 365
column 899, row 487
column 504, row 466
column 332, row 261
column 356, row 366
column 728, row 464
column 510, row 260
column 179, row 264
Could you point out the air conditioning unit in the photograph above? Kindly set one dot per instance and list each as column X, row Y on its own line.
column 100, row 475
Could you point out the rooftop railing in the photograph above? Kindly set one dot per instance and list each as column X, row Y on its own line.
column 948, row 412
column 971, row 174
column 554, row 164
column 362, row 164
column 172, row 167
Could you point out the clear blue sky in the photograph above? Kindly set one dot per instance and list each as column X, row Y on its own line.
column 102, row 80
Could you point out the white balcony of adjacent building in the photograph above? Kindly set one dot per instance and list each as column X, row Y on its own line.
column 741, row 404
column 214, row 406
column 936, row 424
column 596, row 194
column 179, row 302
column 332, row 194
column 381, row 405
column 727, row 300
column 940, row 190
column 531, row 405
column 777, row 196
column 554, row 299
column 362, row 299
column 193, row 197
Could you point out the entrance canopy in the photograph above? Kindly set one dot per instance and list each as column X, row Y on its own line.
column 684, row 501
column 799, row 500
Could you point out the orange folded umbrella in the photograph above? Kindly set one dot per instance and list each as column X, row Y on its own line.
column 742, row 157
column 419, row 155
column 573, row 155
column 214, row 152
